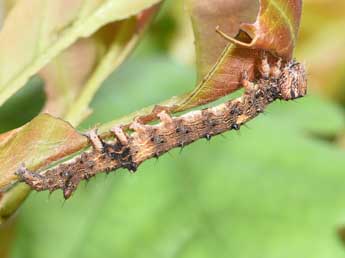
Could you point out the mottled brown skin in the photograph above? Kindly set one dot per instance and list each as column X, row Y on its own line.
column 284, row 82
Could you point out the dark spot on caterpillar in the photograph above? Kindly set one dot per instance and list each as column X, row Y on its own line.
column 259, row 94
column 108, row 170
column 157, row 139
column 68, row 189
column 208, row 137
column 86, row 176
column 122, row 154
column 235, row 110
column 185, row 130
column 131, row 166
column 90, row 164
column 259, row 110
column 235, row 127
column 65, row 174
column 210, row 122
column 292, row 93
column 208, row 119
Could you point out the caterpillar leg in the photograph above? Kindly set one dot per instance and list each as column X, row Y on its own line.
column 264, row 67
column 248, row 85
column 96, row 142
column 120, row 135
column 275, row 70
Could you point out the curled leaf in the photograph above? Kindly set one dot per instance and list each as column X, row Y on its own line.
column 276, row 27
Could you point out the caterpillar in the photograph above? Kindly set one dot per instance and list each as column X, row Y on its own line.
column 285, row 81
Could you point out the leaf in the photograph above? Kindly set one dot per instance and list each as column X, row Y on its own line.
column 206, row 16
column 73, row 77
column 38, row 143
column 66, row 75
column 276, row 28
column 43, row 140
column 34, row 33
column 116, row 50
column 272, row 191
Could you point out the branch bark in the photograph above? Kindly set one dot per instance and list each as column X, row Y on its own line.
column 128, row 151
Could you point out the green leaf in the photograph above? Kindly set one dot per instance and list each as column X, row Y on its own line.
column 34, row 33
column 73, row 77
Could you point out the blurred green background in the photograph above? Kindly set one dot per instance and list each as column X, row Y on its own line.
column 275, row 189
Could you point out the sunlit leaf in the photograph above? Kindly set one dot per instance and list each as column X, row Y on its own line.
column 35, row 32
column 73, row 77
column 66, row 75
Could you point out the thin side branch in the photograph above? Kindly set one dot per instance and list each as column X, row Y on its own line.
column 147, row 141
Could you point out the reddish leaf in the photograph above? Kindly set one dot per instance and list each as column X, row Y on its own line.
column 43, row 140
column 276, row 27
column 206, row 16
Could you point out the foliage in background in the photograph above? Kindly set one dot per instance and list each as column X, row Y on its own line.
column 274, row 190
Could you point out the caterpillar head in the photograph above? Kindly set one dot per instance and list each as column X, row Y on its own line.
column 293, row 81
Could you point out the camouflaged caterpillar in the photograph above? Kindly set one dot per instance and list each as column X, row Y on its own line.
column 281, row 81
